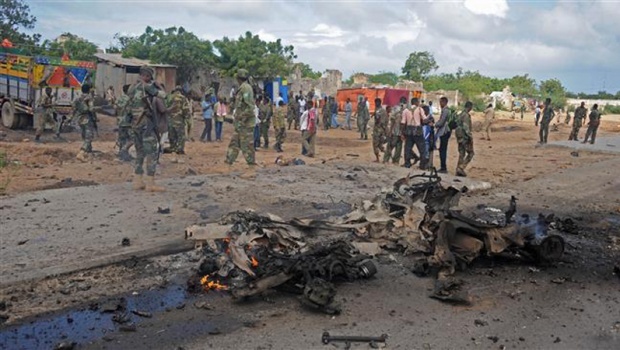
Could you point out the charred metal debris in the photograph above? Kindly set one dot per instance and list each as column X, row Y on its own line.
column 248, row 253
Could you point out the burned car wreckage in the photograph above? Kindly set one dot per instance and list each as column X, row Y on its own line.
column 249, row 253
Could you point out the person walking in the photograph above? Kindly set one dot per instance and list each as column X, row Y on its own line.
column 221, row 111
column 394, row 143
column 578, row 119
column 465, row 140
column 489, row 117
column 547, row 117
column 334, row 111
column 244, row 119
column 411, row 128
column 207, row 115
column 348, row 110
column 595, row 121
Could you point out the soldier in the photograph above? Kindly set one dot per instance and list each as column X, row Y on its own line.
column 379, row 130
column 547, row 117
column 362, row 115
column 84, row 115
column 125, row 137
column 394, row 143
column 580, row 116
column 292, row 111
column 45, row 112
column 325, row 113
column 178, row 108
column 279, row 125
column 489, row 117
column 333, row 109
column 243, row 122
column 145, row 124
column 443, row 133
column 595, row 121
column 266, row 112
column 464, row 139
column 348, row 110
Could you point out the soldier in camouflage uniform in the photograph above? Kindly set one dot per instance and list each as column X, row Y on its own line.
column 379, row 130
column 292, row 112
column 125, row 136
column 84, row 115
column 595, row 121
column 465, row 139
column 279, row 125
column 143, row 97
column 265, row 114
column 394, row 146
column 325, row 113
column 578, row 119
column 178, row 107
column 242, row 139
column 362, row 118
column 45, row 111
column 547, row 117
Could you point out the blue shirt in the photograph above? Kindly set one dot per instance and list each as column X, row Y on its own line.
column 207, row 107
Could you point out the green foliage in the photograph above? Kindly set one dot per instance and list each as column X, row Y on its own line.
column 384, row 78
column 553, row 88
column 601, row 95
column 479, row 104
column 419, row 65
column 307, row 72
column 14, row 18
column 262, row 59
column 171, row 46
column 76, row 47
column 570, row 108
column 610, row 109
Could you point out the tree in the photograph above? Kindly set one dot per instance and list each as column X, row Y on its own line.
column 306, row 71
column 77, row 48
column 419, row 65
column 262, row 59
column 553, row 88
column 15, row 16
column 172, row 45
column 522, row 85
column 384, row 78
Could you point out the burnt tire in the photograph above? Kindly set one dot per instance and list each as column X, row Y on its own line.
column 9, row 118
column 25, row 121
column 550, row 249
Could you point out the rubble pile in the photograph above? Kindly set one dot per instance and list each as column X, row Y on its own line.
column 248, row 253
column 251, row 253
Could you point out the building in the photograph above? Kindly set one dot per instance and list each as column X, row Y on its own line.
column 115, row 70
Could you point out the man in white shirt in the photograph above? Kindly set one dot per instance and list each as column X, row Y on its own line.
column 256, row 125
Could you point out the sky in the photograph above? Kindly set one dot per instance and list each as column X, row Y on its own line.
column 575, row 41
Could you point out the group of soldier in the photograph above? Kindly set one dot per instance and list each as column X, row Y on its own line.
column 580, row 118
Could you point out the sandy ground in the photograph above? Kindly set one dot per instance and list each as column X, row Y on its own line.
column 520, row 305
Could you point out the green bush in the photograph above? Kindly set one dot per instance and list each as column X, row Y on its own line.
column 479, row 104
column 609, row 109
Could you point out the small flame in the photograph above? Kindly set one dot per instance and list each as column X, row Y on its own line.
column 212, row 284
column 254, row 262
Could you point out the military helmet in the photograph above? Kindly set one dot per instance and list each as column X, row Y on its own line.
column 242, row 74
column 148, row 70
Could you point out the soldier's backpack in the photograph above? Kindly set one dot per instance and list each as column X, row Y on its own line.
column 453, row 119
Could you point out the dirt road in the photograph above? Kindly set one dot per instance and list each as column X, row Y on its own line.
column 571, row 305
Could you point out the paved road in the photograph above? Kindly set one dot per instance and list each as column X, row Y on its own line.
column 63, row 230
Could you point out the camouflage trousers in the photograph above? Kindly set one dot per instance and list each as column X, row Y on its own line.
column 147, row 148
column 176, row 135
column 280, row 137
column 292, row 117
column 574, row 134
column 393, row 149
column 46, row 117
column 308, row 142
column 591, row 132
column 362, row 127
column 88, row 134
column 242, row 140
column 466, row 154
column 264, row 133
column 125, row 138
column 378, row 139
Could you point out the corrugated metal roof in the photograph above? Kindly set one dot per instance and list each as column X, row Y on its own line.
column 119, row 60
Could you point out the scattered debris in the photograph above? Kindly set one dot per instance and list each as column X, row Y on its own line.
column 480, row 323
column 65, row 346
column 281, row 161
column 142, row 313
column 23, row 242
column 197, row 184
column 574, row 154
column 326, row 338
column 161, row 210
column 125, row 242
column 558, row 280
column 128, row 328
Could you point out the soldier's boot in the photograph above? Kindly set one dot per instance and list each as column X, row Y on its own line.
column 37, row 138
column 82, row 156
column 151, row 187
column 138, row 182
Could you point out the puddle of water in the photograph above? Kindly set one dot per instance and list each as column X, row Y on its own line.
column 85, row 325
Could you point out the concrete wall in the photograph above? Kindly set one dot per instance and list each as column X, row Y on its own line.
column 589, row 103
column 328, row 84
column 454, row 97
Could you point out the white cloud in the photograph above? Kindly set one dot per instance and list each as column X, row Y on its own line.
column 498, row 8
